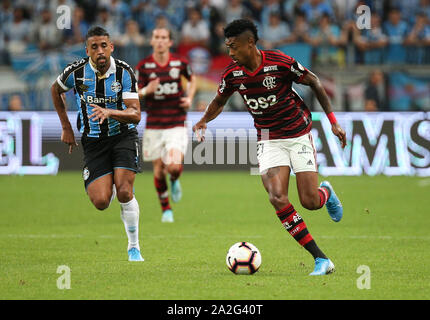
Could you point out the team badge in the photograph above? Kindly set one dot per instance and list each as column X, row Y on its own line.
column 85, row 173
column 174, row 73
column 269, row 82
column 116, row 86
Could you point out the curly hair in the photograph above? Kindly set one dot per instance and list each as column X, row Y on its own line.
column 237, row 27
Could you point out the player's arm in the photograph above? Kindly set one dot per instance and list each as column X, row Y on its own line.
column 310, row 79
column 130, row 115
column 67, row 135
column 187, row 101
column 212, row 111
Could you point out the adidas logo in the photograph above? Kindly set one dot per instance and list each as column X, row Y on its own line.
column 152, row 75
column 310, row 163
column 242, row 87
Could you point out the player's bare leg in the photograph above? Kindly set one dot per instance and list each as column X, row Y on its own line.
column 275, row 181
column 174, row 168
column 160, row 172
column 100, row 191
column 313, row 197
column 124, row 181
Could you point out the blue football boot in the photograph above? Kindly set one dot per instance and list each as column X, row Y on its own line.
column 322, row 267
column 167, row 216
column 134, row 255
column 333, row 205
column 176, row 190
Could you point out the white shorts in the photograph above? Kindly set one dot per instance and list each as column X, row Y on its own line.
column 158, row 142
column 297, row 153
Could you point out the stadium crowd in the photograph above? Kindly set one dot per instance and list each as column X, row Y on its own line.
column 323, row 31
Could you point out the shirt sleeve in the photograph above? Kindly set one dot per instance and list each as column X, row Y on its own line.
column 297, row 71
column 225, row 89
column 66, row 79
column 129, row 84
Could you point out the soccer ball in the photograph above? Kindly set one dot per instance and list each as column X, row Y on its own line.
column 243, row 258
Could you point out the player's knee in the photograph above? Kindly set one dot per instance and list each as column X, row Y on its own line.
column 278, row 200
column 174, row 170
column 101, row 203
column 124, row 193
column 310, row 203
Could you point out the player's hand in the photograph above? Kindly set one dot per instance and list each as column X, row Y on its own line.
column 152, row 86
column 199, row 129
column 99, row 114
column 68, row 137
column 340, row 133
column 185, row 102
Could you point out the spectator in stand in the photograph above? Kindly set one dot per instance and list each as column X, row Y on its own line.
column 15, row 103
column 119, row 11
column 254, row 8
column 235, row 10
column 210, row 14
column 195, row 31
column 6, row 13
column 301, row 29
column 79, row 27
column 375, row 94
column 46, row 34
column 173, row 10
column 418, row 40
column 268, row 7
column 372, row 42
column 104, row 20
column 316, row 9
column 325, row 38
column 424, row 6
column 130, row 43
column 17, row 33
column 276, row 34
column 396, row 30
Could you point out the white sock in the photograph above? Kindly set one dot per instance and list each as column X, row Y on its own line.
column 112, row 198
column 130, row 217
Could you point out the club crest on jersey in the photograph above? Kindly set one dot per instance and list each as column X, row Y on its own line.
column 269, row 82
column 174, row 73
column 116, row 86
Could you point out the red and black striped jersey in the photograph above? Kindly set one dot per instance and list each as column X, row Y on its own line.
column 162, row 107
column 278, row 111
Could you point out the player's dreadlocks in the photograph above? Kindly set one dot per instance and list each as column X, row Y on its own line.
column 237, row 27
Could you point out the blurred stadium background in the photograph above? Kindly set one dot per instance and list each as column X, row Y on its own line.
column 369, row 74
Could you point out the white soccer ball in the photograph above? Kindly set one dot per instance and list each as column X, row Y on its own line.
column 243, row 258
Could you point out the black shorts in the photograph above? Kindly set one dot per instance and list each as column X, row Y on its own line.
column 102, row 156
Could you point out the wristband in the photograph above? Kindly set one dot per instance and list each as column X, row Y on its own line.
column 143, row 91
column 331, row 117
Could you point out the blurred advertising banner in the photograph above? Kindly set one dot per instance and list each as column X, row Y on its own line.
column 388, row 143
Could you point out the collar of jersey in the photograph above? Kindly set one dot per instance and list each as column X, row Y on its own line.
column 111, row 70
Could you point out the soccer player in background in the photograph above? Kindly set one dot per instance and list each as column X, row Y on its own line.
column 165, row 137
column 283, row 122
column 109, row 110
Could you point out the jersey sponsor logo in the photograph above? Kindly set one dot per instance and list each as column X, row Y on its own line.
column 175, row 63
column 269, row 82
column 237, row 73
column 167, row 88
column 91, row 99
column 150, row 65
column 116, row 86
column 174, row 73
column 260, row 102
column 299, row 71
column 222, row 86
column 84, row 79
column 270, row 68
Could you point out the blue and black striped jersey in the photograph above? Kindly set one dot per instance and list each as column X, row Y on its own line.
column 108, row 91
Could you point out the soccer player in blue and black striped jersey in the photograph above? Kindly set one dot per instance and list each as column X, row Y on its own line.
column 109, row 111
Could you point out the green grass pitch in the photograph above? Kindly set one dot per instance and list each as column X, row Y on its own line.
column 48, row 221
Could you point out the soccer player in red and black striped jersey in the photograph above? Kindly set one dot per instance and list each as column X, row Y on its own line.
column 166, row 103
column 283, row 122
